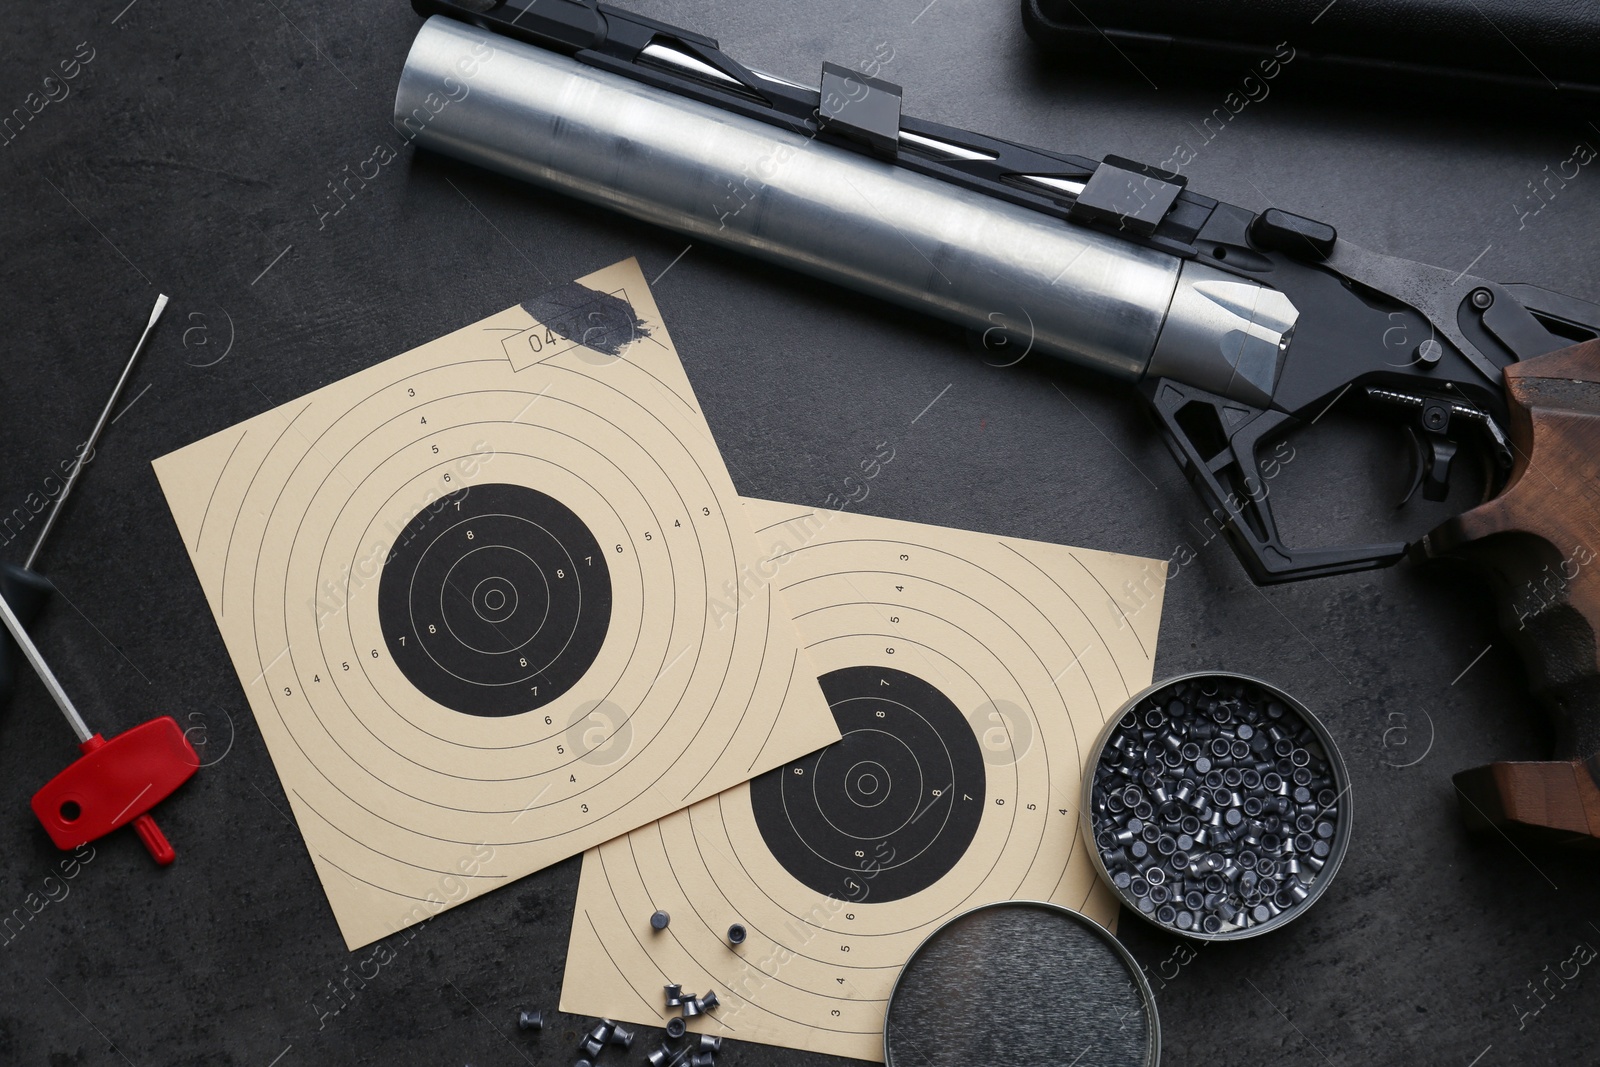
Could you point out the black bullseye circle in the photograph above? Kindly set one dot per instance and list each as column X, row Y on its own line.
column 495, row 600
column 890, row 808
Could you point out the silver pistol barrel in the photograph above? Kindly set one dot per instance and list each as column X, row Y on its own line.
column 713, row 175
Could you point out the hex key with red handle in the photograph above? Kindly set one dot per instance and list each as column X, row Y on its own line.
column 114, row 782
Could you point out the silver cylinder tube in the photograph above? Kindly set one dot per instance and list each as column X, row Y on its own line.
column 720, row 177
column 972, row 259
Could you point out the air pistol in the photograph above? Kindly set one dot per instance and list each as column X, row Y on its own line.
column 1236, row 326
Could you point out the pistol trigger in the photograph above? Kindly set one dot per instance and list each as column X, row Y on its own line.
column 1441, row 451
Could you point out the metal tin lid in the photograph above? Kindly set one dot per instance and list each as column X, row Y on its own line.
column 1021, row 983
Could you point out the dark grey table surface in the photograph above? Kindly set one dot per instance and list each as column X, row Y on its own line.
column 190, row 156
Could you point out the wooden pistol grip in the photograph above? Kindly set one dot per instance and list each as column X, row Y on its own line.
column 1538, row 544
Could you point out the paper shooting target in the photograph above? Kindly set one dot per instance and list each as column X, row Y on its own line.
column 471, row 593
column 968, row 675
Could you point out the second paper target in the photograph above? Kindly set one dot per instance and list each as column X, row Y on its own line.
column 967, row 675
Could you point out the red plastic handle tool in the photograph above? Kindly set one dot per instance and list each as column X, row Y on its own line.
column 117, row 782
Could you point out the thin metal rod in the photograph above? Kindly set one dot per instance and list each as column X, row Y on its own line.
column 46, row 675
column 87, row 454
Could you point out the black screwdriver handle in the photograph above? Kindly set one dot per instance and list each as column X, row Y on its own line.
column 26, row 592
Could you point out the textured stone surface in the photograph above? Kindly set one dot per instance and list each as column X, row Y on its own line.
column 192, row 155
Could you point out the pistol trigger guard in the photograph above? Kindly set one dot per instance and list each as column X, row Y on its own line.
column 1214, row 440
column 1419, row 466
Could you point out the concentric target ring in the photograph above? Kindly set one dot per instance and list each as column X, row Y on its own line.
column 884, row 799
column 495, row 600
column 868, row 783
